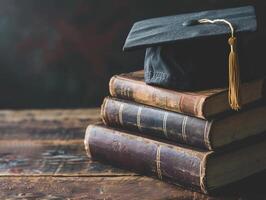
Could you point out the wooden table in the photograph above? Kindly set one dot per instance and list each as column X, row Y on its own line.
column 42, row 156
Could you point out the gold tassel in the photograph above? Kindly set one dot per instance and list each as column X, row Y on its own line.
column 234, row 76
column 234, row 71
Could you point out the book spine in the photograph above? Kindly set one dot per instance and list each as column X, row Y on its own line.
column 159, row 123
column 167, row 162
column 158, row 97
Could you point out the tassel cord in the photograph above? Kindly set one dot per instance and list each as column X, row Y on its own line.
column 234, row 69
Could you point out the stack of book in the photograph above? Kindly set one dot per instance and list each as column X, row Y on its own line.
column 191, row 139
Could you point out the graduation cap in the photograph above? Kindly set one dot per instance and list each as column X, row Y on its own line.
column 199, row 50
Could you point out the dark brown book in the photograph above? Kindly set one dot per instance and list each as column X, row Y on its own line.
column 198, row 169
column 205, row 134
column 203, row 104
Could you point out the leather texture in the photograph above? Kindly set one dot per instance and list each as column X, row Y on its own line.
column 131, row 86
column 172, row 126
column 177, row 164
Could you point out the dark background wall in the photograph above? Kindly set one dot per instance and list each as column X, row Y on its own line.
column 61, row 53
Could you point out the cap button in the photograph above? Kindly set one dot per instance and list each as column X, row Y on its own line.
column 190, row 22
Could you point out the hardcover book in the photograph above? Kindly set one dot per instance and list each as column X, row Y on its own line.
column 201, row 133
column 201, row 103
column 202, row 170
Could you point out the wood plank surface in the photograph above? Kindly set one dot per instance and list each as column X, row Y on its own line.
column 48, row 142
column 128, row 188
column 24, row 158
column 46, row 124
column 42, row 156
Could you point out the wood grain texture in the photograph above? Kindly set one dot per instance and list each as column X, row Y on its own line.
column 46, row 124
column 78, row 188
column 42, row 156
column 48, row 143
column 27, row 158
column 118, row 188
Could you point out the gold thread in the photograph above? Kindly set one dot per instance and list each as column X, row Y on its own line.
column 198, row 107
column 112, row 86
column 138, row 118
column 158, row 162
column 234, row 96
column 120, row 114
column 206, row 134
column 165, row 124
column 203, row 175
column 184, row 123
column 200, row 111
column 103, row 111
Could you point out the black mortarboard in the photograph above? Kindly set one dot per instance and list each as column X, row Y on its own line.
column 190, row 51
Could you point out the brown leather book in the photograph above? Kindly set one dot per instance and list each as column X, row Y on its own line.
column 202, row 170
column 180, row 128
column 203, row 104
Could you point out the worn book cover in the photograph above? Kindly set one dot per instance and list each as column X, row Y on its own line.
column 203, row 170
column 201, row 103
column 206, row 134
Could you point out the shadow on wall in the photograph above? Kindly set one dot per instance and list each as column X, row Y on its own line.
column 62, row 53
